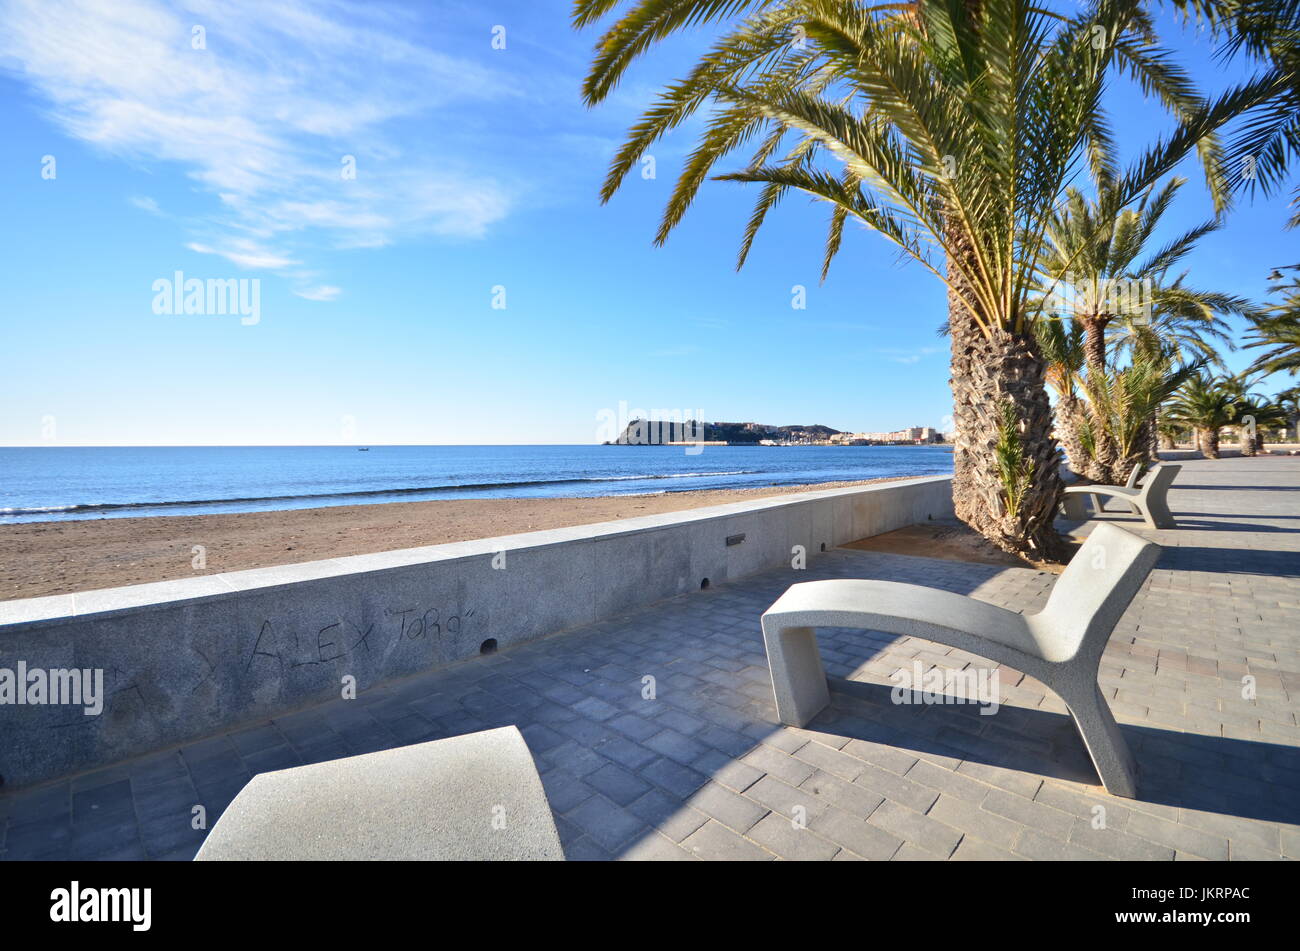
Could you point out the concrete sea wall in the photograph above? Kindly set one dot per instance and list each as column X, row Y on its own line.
column 183, row 659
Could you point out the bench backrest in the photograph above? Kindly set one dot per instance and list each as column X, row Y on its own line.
column 1158, row 481
column 1094, row 591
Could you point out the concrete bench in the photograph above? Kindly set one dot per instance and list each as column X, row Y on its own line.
column 1133, row 478
column 472, row 797
column 1061, row 646
column 1147, row 500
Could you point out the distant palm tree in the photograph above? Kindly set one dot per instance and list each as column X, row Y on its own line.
column 1120, row 290
column 951, row 129
column 1169, row 432
column 1251, row 411
column 1278, row 328
column 1206, row 405
column 1061, row 344
column 1104, row 414
column 1099, row 274
column 1121, row 403
column 1289, row 402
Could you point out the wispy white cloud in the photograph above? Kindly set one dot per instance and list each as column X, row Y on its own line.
column 325, row 292
column 246, row 254
column 145, row 203
column 280, row 104
column 914, row 355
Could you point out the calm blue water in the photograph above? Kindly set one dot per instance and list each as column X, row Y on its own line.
column 42, row 484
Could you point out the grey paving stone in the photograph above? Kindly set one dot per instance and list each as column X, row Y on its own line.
column 715, row 842
column 778, row 764
column 617, row 784
column 909, row 852
column 173, row 798
column 1119, row 845
column 916, row 829
column 677, row 779
column 833, row 791
column 1029, row 813
column 40, row 839
column 609, row 825
column 789, row 801
column 730, row 808
column 669, row 815
column 564, row 791
column 656, row 848
column 104, row 803
column 586, row 849
column 676, row 746
column 975, row 850
column 779, row 835
column 596, row 708
column 856, row 834
column 975, row 822
column 1181, row 838
column 1036, row 845
column 637, row 727
column 727, row 771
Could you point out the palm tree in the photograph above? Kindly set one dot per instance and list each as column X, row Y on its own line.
column 1269, row 415
column 1289, row 402
column 1169, row 433
column 1061, row 344
column 1103, row 414
column 1267, row 32
column 1256, row 414
column 1121, row 403
column 1279, row 329
column 949, row 128
column 1118, row 292
column 1121, row 298
column 1205, row 404
column 1248, row 407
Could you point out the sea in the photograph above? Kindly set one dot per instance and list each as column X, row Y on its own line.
column 59, row 483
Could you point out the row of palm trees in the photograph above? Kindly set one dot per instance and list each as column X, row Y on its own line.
column 961, row 132
column 1205, row 404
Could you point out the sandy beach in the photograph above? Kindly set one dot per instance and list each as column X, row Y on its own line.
column 43, row 558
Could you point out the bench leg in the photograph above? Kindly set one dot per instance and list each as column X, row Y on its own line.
column 798, row 678
column 1158, row 514
column 1074, row 508
column 1101, row 735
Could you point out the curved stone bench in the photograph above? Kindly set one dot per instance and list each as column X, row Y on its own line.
column 1133, row 478
column 472, row 797
column 1060, row 646
column 1147, row 500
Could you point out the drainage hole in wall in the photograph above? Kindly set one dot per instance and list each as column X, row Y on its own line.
column 489, row 646
column 704, row 584
column 823, row 546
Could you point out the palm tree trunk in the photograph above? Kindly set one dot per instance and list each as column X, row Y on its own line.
column 1094, row 341
column 986, row 374
column 1259, row 440
column 1069, row 410
column 1210, row 442
column 1247, row 443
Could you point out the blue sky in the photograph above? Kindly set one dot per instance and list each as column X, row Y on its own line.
column 476, row 168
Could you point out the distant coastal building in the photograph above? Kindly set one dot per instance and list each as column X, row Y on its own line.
column 912, row 436
column 659, row 432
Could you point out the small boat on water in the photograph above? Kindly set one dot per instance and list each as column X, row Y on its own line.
column 363, row 448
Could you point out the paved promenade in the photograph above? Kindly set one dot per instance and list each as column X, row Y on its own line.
column 704, row 771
